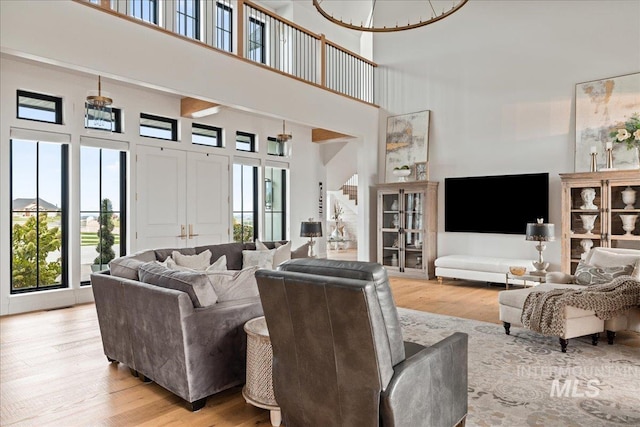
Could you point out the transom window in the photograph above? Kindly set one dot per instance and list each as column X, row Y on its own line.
column 158, row 127
column 147, row 10
column 206, row 135
column 224, row 27
column 245, row 142
column 39, row 107
column 188, row 18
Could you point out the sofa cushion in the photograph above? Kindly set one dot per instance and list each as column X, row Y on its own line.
column 233, row 252
column 233, row 285
column 281, row 253
column 260, row 259
column 162, row 254
column 194, row 283
column 127, row 266
column 196, row 262
column 587, row 274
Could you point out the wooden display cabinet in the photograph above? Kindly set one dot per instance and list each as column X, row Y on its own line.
column 407, row 228
column 599, row 224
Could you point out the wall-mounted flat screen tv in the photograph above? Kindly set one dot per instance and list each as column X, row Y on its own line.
column 502, row 204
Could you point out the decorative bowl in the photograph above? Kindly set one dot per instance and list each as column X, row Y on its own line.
column 517, row 270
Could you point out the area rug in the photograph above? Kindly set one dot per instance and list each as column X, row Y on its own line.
column 523, row 379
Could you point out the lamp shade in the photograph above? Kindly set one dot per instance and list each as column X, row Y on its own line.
column 311, row 229
column 541, row 232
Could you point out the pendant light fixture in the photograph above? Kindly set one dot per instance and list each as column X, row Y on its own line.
column 98, row 109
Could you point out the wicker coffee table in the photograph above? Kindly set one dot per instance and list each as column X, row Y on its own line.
column 258, row 389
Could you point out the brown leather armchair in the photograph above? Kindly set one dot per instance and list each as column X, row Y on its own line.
column 338, row 354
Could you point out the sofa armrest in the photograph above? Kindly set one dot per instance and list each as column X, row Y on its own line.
column 559, row 277
column 429, row 387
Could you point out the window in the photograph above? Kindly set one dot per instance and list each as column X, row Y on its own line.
column 245, row 203
column 38, row 192
column 96, row 120
column 224, row 27
column 245, row 142
column 102, row 208
column 147, row 10
column 256, row 41
column 158, row 127
column 188, row 18
column 206, row 135
column 38, row 107
column 275, row 203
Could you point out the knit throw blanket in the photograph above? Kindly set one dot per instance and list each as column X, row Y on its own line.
column 544, row 312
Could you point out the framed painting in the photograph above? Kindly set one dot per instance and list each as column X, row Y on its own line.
column 407, row 141
column 422, row 172
column 601, row 106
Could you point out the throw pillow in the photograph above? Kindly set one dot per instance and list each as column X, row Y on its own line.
column 260, row 259
column 233, row 285
column 281, row 253
column 195, row 262
column 587, row 274
column 219, row 265
column 603, row 258
column 127, row 266
column 196, row 284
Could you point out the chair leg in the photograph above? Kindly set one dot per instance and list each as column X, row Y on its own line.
column 563, row 344
column 595, row 338
column 507, row 327
column 462, row 422
column 133, row 372
column 611, row 335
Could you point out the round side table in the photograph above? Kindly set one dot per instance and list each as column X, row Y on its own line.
column 258, row 389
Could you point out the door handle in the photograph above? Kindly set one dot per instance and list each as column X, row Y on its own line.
column 191, row 235
column 182, row 233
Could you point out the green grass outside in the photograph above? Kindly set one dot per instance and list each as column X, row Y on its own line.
column 91, row 239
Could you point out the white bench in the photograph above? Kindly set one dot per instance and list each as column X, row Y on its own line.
column 480, row 268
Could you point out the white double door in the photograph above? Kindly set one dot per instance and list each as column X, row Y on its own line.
column 182, row 198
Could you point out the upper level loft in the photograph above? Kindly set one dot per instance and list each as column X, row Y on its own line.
column 255, row 34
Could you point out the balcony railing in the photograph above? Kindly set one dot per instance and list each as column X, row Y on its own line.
column 261, row 37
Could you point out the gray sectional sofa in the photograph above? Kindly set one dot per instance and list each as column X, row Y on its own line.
column 168, row 331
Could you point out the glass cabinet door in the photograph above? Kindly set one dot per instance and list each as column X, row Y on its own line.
column 390, row 230
column 586, row 221
column 413, row 230
column 624, row 230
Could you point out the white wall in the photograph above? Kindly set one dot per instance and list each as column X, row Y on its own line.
column 499, row 78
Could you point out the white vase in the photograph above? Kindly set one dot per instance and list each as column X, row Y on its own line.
column 628, row 223
column 629, row 197
column 588, row 223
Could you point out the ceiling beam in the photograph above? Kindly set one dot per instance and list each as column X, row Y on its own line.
column 195, row 108
column 324, row 135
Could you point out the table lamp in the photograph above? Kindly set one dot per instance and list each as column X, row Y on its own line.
column 540, row 232
column 311, row 229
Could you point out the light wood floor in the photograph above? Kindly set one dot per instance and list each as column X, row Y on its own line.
column 53, row 371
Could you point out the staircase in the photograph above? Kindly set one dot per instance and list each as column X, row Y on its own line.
column 350, row 188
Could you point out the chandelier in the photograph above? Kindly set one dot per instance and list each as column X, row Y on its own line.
column 98, row 109
column 380, row 16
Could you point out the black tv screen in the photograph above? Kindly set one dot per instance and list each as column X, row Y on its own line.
column 502, row 204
